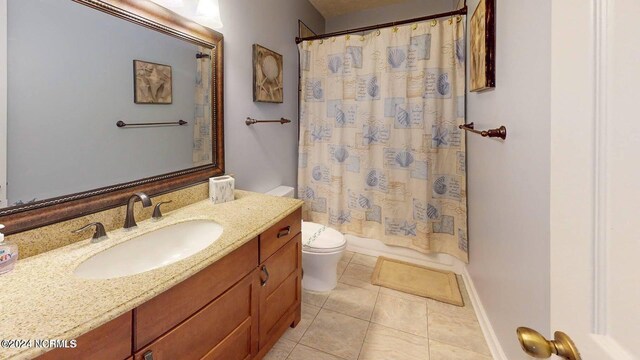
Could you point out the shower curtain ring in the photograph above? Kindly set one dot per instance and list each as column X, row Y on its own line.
column 434, row 23
column 415, row 27
column 378, row 32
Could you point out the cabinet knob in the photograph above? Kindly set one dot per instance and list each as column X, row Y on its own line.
column 148, row 355
column 266, row 273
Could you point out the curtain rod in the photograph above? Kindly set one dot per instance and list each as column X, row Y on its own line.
column 461, row 11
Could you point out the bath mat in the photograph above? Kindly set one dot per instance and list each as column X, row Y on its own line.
column 417, row 280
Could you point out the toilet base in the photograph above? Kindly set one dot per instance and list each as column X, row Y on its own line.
column 320, row 270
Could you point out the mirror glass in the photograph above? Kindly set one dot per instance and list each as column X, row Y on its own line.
column 71, row 78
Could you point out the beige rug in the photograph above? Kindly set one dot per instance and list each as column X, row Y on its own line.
column 417, row 280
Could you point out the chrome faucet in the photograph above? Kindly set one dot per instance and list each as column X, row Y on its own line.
column 130, row 221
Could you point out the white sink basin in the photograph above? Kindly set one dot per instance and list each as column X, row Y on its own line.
column 150, row 251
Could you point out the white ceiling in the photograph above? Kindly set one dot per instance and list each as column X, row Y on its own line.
column 330, row 8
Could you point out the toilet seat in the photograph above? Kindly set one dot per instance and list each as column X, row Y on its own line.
column 320, row 239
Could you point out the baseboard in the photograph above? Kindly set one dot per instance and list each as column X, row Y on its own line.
column 483, row 319
column 374, row 247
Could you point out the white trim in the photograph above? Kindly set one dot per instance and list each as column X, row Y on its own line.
column 374, row 247
column 3, row 103
column 600, row 19
column 489, row 335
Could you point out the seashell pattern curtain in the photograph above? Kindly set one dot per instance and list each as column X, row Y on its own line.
column 202, row 147
column 380, row 152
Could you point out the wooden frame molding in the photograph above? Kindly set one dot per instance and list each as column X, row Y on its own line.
column 150, row 15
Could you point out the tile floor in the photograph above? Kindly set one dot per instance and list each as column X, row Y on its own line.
column 361, row 321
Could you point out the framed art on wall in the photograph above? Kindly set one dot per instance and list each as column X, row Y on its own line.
column 483, row 46
column 267, row 75
column 151, row 83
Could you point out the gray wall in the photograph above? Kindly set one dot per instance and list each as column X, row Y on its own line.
column 70, row 78
column 262, row 156
column 389, row 13
column 508, row 187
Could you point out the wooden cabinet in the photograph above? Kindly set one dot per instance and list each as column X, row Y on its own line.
column 221, row 330
column 235, row 309
column 280, row 292
column 111, row 341
column 165, row 311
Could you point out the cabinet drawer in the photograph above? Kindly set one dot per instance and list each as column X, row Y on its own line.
column 224, row 324
column 109, row 341
column 158, row 315
column 279, row 234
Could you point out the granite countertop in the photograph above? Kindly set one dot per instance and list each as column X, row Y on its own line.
column 42, row 299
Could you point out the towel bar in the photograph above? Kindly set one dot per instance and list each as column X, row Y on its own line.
column 251, row 121
column 500, row 132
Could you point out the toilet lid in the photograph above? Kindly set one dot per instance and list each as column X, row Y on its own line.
column 320, row 238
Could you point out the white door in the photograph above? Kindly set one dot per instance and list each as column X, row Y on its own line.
column 595, row 176
column 3, row 103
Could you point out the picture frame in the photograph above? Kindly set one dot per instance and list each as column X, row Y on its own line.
column 152, row 83
column 482, row 39
column 267, row 75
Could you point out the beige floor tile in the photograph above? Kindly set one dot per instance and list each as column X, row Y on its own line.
column 457, row 331
column 314, row 298
column 347, row 255
column 401, row 314
column 281, row 350
column 465, row 311
column 442, row 351
column 309, row 313
column 383, row 343
column 365, row 260
column 359, row 276
column 351, row 300
column 342, row 266
column 302, row 352
column 336, row 334
column 402, row 295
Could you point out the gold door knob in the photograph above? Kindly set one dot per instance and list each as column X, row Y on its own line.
column 534, row 344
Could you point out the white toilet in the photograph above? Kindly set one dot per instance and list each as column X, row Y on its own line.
column 322, row 249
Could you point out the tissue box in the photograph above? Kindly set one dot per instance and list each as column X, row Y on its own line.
column 221, row 189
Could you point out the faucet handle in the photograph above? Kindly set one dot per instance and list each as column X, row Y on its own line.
column 99, row 235
column 157, row 214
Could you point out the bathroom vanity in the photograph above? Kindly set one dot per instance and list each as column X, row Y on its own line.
column 236, row 308
column 232, row 300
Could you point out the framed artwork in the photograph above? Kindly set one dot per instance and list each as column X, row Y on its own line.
column 483, row 46
column 267, row 75
column 151, row 83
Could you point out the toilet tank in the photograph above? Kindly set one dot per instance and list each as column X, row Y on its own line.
column 283, row 191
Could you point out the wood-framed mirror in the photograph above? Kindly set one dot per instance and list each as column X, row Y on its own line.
column 158, row 169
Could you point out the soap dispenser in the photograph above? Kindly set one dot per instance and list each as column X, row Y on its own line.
column 8, row 254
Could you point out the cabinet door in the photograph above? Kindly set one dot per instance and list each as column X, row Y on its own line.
column 224, row 329
column 280, row 277
column 109, row 341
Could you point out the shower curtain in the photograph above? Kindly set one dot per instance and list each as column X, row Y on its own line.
column 380, row 152
column 201, row 154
